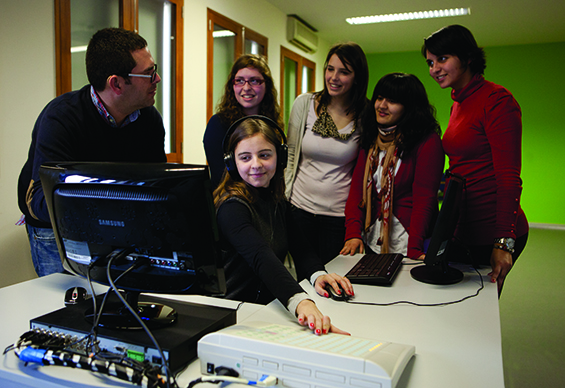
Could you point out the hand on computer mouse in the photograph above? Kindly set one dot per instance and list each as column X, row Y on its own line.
column 75, row 295
column 329, row 284
column 340, row 295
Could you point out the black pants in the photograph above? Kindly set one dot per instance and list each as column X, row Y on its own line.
column 325, row 233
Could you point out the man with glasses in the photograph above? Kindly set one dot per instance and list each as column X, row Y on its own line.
column 112, row 119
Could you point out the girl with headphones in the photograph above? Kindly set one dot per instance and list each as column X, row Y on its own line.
column 257, row 228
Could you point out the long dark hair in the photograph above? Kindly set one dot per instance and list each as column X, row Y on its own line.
column 237, row 187
column 228, row 107
column 459, row 41
column 418, row 119
column 352, row 56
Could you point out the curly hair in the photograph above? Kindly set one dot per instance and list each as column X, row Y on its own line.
column 230, row 110
column 459, row 41
column 234, row 186
column 352, row 56
column 109, row 53
column 418, row 119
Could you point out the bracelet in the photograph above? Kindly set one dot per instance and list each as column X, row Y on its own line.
column 504, row 248
column 505, row 243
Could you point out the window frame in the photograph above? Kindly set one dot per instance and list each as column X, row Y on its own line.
column 300, row 63
column 241, row 33
column 128, row 20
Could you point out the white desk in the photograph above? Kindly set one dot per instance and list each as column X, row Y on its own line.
column 22, row 302
column 456, row 346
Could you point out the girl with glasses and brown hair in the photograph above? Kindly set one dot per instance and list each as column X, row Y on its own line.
column 249, row 90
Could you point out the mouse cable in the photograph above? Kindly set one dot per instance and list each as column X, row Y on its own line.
column 482, row 285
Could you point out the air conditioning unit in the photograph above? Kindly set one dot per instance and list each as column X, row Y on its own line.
column 301, row 35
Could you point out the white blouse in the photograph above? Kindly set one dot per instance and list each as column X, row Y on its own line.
column 398, row 242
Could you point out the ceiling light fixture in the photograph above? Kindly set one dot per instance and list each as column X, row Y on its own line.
column 394, row 17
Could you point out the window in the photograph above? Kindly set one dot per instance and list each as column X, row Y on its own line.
column 298, row 75
column 158, row 21
column 227, row 40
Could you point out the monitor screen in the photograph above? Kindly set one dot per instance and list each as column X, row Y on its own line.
column 436, row 269
column 156, row 220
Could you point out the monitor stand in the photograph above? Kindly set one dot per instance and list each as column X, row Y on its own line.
column 114, row 315
column 436, row 274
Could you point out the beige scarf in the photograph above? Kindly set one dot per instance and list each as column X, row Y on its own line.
column 386, row 141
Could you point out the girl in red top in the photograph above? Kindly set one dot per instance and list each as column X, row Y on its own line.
column 483, row 143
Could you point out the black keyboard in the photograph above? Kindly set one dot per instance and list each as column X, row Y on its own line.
column 376, row 269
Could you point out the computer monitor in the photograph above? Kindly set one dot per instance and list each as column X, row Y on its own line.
column 154, row 223
column 436, row 269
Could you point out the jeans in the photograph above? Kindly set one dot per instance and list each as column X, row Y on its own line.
column 325, row 233
column 44, row 252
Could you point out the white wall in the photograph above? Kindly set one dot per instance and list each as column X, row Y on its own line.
column 257, row 15
column 27, row 84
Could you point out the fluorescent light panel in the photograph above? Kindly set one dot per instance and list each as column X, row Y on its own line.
column 222, row 34
column 394, row 17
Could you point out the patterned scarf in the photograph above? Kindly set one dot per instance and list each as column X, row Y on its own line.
column 386, row 141
column 326, row 127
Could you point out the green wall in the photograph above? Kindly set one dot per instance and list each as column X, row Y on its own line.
column 535, row 75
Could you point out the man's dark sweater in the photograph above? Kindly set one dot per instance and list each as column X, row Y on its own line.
column 70, row 128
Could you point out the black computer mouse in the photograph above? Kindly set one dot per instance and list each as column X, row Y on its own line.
column 334, row 295
column 75, row 295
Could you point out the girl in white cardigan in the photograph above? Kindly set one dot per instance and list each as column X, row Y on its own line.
column 323, row 142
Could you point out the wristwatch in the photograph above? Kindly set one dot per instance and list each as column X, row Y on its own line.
column 505, row 243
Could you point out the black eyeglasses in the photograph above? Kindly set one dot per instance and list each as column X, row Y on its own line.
column 251, row 81
column 153, row 75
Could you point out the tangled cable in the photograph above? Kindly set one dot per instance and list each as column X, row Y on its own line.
column 39, row 347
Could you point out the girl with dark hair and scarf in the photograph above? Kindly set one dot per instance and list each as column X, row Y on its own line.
column 392, row 203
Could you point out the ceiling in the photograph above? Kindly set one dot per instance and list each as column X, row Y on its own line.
column 493, row 22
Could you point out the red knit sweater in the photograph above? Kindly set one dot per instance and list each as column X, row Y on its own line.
column 483, row 143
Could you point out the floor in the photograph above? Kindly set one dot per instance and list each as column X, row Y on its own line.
column 532, row 314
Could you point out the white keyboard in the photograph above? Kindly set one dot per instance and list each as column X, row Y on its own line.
column 300, row 359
